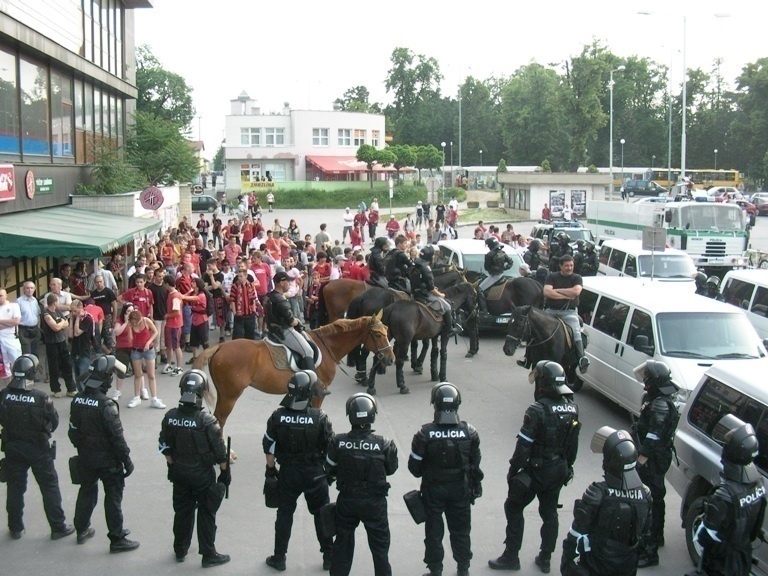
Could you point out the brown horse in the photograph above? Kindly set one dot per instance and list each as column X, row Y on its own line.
column 335, row 296
column 238, row 364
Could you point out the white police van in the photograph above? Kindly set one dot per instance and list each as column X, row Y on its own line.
column 628, row 322
column 627, row 258
column 748, row 289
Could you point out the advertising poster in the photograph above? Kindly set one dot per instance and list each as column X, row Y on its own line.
column 7, row 185
column 579, row 202
column 557, row 202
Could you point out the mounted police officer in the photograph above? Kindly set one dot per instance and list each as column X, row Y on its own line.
column 297, row 438
column 398, row 265
column 377, row 262
column 654, row 432
column 561, row 294
column 532, row 257
column 559, row 249
column 97, row 433
column 496, row 262
column 362, row 461
column 589, row 260
column 284, row 327
column 192, row 443
column 445, row 454
column 422, row 283
column 541, row 465
column 28, row 418
column 610, row 517
column 734, row 511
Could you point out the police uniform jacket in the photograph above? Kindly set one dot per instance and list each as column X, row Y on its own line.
column 361, row 461
column 422, row 278
column 192, row 437
column 398, row 265
column 655, row 429
column 279, row 314
column 96, row 431
column 496, row 261
column 27, row 416
column 560, row 249
column 376, row 263
column 298, row 437
column 532, row 258
column 444, row 453
column 589, row 264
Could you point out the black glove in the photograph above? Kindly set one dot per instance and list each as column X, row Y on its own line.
column 271, row 472
column 225, row 476
column 299, row 327
column 569, row 478
column 475, row 493
column 128, row 468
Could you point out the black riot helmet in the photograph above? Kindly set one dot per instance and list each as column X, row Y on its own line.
column 563, row 238
column 713, row 282
column 427, row 253
column 193, row 384
column 701, row 280
column 740, row 447
column 619, row 457
column 446, row 399
column 492, row 243
column 299, row 390
column 361, row 409
column 23, row 369
column 656, row 377
column 589, row 246
column 535, row 245
column 100, row 372
column 381, row 242
column 580, row 245
column 549, row 378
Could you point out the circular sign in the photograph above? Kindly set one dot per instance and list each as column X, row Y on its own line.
column 29, row 182
column 197, row 189
column 151, row 198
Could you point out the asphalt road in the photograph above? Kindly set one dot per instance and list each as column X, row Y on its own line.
column 495, row 395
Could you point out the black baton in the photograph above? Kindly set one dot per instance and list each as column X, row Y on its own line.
column 229, row 463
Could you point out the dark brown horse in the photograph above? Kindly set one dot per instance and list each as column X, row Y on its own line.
column 335, row 296
column 521, row 291
column 238, row 364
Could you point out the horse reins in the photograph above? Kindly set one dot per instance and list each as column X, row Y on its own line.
column 528, row 325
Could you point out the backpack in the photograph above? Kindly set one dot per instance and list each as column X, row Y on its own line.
column 210, row 309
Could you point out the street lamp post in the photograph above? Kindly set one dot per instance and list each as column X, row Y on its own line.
column 443, row 146
column 610, row 131
column 481, row 158
column 451, row 164
column 653, row 161
column 622, row 141
column 715, row 158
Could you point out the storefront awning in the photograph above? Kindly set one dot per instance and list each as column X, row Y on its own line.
column 347, row 165
column 69, row 232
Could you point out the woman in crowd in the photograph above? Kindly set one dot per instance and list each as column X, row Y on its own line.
column 198, row 336
column 143, row 334
column 293, row 231
column 123, row 346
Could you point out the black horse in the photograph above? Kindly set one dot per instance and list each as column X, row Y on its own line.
column 546, row 337
column 521, row 291
column 408, row 321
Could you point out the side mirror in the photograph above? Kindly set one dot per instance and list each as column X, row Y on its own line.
column 668, row 216
column 752, row 220
column 641, row 344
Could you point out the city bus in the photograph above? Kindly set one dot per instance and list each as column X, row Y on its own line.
column 705, row 178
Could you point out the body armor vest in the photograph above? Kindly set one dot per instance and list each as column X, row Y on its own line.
column 89, row 430
column 361, row 462
column 747, row 501
column 23, row 415
column 561, row 422
column 421, row 277
column 496, row 262
column 185, row 431
column 298, row 436
column 660, row 416
column 533, row 259
column 447, row 451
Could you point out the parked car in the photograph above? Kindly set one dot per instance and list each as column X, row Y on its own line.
column 760, row 200
column 673, row 268
column 545, row 231
column 469, row 255
column 725, row 388
column 643, row 188
column 204, row 203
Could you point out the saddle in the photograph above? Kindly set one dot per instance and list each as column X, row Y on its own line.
column 497, row 290
column 284, row 358
column 434, row 309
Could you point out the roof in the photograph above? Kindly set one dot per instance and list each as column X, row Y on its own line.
column 636, row 246
column 748, row 376
column 347, row 165
column 753, row 274
column 472, row 246
column 67, row 231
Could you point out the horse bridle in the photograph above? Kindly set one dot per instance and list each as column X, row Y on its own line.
column 379, row 351
column 518, row 341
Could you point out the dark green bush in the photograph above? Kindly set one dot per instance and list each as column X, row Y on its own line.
column 404, row 196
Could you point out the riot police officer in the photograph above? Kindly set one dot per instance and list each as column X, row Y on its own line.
column 541, row 465
column 712, row 288
column 701, row 283
column 610, row 517
column 398, row 265
column 362, row 461
column 284, row 327
column 377, row 262
column 192, row 443
column 532, row 256
column 654, row 432
column 422, row 283
column 496, row 262
column 733, row 514
column 445, row 454
column 589, row 260
column 28, row 418
column 559, row 249
column 97, row 433
column 297, row 438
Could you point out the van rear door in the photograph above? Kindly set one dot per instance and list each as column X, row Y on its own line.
column 605, row 337
column 639, row 323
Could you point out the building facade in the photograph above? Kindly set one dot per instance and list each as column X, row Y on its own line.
column 525, row 193
column 296, row 145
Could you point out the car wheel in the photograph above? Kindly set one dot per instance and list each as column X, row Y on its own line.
column 693, row 518
column 211, row 209
column 631, row 194
column 763, row 264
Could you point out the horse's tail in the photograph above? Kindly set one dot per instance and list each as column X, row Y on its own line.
column 355, row 308
column 322, row 310
column 200, row 363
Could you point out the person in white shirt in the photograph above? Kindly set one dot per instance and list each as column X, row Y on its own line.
column 10, row 318
column 567, row 214
column 65, row 298
column 374, row 205
column 30, row 335
column 349, row 220
column 453, row 203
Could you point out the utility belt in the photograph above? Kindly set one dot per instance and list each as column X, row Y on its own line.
column 300, row 459
column 444, row 475
column 363, row 488
column 544, row 461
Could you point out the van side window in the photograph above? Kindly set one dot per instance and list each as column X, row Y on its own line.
column 760, row 303
column 616, row 260
column 641, row 325
column 737, row 292
column 605, row 252
column 630, row 268
column 587, row 301
column 716, row 400
column 610, row 317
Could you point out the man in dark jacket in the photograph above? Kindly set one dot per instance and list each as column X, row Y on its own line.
column 398, row 265
column 97, row 433
column 284, row 327
column 445, row 454
column 192, row 443
column 422, row 283
column 496, row 262
column 28, row 419
column 377, row 262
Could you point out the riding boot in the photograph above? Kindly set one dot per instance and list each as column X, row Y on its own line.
column 583, row 360
column 307, row 364
column 482, row 301
column 450, row 323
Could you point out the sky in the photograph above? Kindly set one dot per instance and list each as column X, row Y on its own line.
column 308, row 53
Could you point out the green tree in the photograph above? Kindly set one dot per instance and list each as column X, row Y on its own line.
column 386, row 157
column 404, row 156
column 356, row 99
column 111, row 173
column 162, row 93
column 502, row 166
column 370, row 155
column 481, row 123
column 428, row 158
column 219, row 162
column 750, row 128
column 159, row 151
column 545, row 166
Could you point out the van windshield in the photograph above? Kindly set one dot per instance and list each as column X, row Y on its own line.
column 667, row 266
column 707, row 335
column 713, row 217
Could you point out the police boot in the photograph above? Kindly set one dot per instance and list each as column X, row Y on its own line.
column 583, row 360
column 482, row 302
column 505, row 562
column 123, row 545
column 649, row 556
column 215, row 559
column 542, row 561
column 450, row 321
column 523, row 362
column 276, row 562
column 434, row 572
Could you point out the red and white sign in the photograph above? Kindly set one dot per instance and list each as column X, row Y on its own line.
column 29, row 182
column 151, row 198
column 7, row 183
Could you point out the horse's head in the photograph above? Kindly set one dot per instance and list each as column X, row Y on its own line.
column 518, row 330
column 377, row 340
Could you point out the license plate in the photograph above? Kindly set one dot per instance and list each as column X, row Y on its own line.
column 502, row 320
